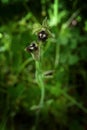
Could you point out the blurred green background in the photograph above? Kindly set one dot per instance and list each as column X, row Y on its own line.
column 65, row 105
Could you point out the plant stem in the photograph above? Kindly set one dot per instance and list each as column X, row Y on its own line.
column 39, row 75
column 39, row 79
column 40, row 82
column 57, row 55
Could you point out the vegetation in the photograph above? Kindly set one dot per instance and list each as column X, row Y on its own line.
column 49, row 90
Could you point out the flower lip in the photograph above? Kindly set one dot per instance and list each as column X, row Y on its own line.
column 42, row 35
column 32, row 47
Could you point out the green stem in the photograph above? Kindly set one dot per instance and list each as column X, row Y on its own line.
column 39, row 79
column 39, row 75
column 57, row 56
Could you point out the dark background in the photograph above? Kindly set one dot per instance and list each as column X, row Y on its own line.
column 65, row 105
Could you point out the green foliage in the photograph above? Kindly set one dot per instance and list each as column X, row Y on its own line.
column 64, row 61
column 11, row 1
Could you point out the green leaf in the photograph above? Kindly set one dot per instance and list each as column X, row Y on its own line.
column 56, row 91
column 16, row 92
column 73, row 59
